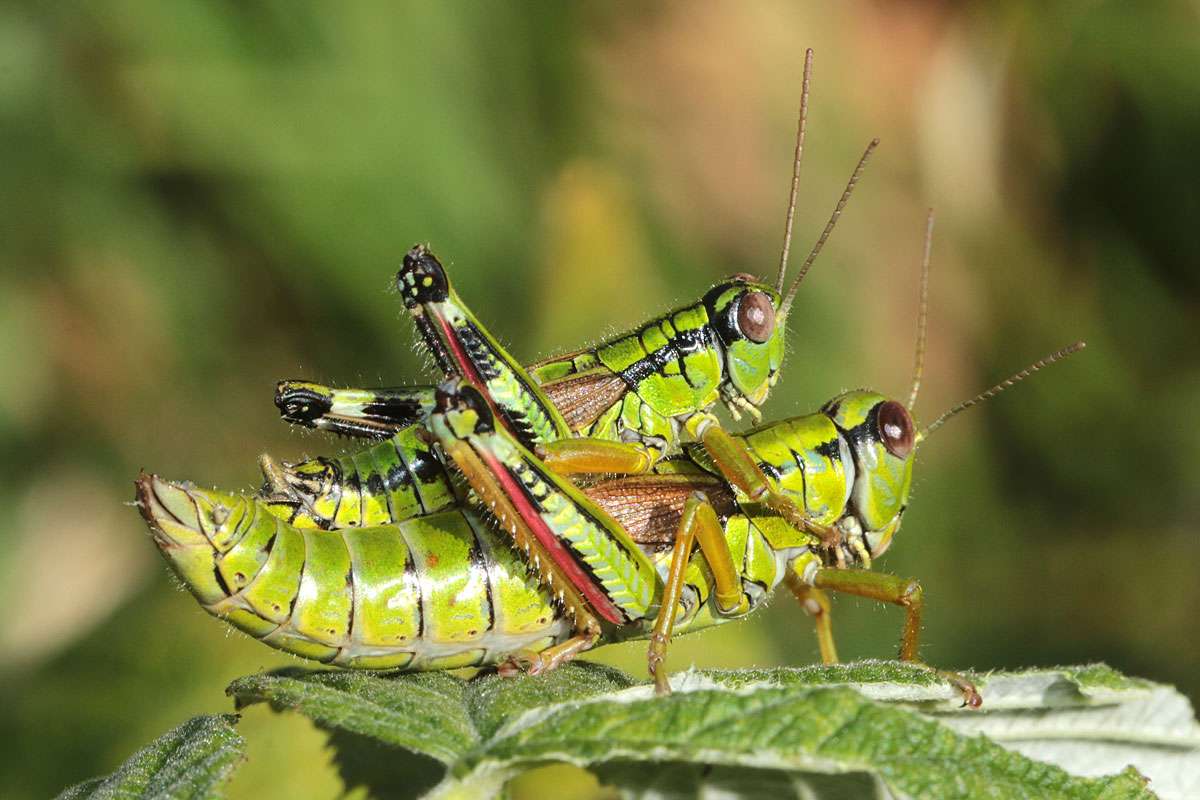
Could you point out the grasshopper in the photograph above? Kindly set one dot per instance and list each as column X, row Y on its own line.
column 618, row 407
column 645, row 556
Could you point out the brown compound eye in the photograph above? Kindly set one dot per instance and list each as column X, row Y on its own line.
column 896, row 429
column 756, row 317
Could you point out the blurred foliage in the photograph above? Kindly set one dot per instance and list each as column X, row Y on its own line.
column 201, row 198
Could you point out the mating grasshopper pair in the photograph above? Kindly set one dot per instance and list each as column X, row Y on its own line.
column 380, row 560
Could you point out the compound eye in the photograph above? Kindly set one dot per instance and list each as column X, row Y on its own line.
column 896, row 429
column 756, row 317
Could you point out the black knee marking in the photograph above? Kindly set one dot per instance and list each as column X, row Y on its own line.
column 301, row 406
column 466, row 398
column 422, row 278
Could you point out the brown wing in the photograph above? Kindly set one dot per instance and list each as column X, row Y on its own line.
column 649, row 507
column 582, row 398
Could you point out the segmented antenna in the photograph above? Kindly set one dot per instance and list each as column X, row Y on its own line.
column 922, row 314
column 837, row 212
column 801, row 129
column 1001, row 386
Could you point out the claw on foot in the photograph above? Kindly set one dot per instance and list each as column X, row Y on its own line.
column 522, row 662
column 971, row 698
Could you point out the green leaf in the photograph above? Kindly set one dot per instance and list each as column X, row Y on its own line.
column 870, row 729
column 423, row 712
column 191, row 761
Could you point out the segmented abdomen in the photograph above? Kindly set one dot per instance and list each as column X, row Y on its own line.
column 436, row 592
column 391, row 481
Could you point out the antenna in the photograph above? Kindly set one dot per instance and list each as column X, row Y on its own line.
column 922, row 314
column 801, row 129
column 1001, row 386
column 837, row 212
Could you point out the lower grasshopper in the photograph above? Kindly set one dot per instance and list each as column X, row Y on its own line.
column 637, row 557
column 617, row 407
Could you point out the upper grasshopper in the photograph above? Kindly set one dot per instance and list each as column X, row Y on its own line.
column 617, row 407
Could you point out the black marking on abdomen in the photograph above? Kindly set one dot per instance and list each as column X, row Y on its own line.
column 478, row 560
column 221, row 580
column 353, row 481
column 412, row 577
column 353, row 592
column 425, row 467
column 376, row 488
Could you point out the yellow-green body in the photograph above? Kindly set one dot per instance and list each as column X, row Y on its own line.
column 446, row 589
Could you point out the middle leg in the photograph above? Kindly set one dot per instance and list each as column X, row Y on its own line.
column 906, row 593
column 698, row 524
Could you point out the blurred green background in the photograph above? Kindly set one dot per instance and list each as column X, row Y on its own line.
column 201, row 198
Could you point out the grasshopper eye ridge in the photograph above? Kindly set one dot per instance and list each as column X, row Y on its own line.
column 756, row 317
column 896, row 429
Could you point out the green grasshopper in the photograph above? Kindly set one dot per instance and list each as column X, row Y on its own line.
column 617, row 560
column 618, row 407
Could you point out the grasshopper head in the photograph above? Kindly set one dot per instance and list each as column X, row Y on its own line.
column 745, row 315
column 882, row 438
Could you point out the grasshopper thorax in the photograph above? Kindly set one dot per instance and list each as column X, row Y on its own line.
column 745, row 316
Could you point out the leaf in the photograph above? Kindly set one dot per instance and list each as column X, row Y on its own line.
column 191, row 761
column 1086, row 720
column 423, row 712
column 870, row 729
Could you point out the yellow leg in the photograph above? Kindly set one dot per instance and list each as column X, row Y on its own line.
column 903, row 592
column 596, row 456
column 538, row 663
column 816, row 603
column 699, row 523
